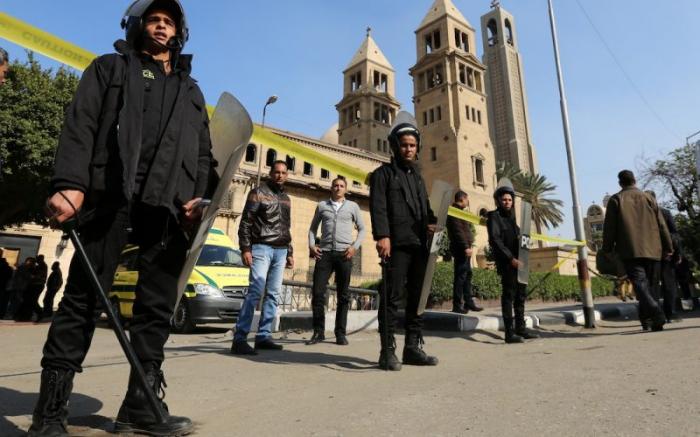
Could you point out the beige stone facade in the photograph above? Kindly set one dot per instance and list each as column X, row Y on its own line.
column 369, row 105
column 505, row 83
column 451, row 108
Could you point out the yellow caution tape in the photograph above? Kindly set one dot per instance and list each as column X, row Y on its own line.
column 26, row 35
column 271, row 140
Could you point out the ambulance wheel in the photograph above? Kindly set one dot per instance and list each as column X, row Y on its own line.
column 181, row 322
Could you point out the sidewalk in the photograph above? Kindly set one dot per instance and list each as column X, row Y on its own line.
column 537, row 314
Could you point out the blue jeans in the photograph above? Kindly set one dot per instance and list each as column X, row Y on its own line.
column 266, row 272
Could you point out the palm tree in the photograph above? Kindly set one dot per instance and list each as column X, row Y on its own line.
column 546, row 211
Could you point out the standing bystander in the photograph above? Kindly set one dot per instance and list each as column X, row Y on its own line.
column 266, row 243
column 461, row 243
column 53, row 284
column 337, row 217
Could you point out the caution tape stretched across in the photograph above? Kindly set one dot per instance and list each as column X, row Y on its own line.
column 26, row 35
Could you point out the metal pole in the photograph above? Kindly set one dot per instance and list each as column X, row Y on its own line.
column 582, row 265
column 272, row 99
column 697, row 149
column 124, row 342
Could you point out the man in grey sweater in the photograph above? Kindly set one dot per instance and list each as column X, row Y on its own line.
column 337, row 217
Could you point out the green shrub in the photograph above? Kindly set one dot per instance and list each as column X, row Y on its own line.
column 487, row 285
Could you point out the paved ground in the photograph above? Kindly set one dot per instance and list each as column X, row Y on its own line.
column 614, row 381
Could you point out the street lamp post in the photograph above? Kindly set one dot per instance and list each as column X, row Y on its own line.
column 582, row 265
column 697, row 149
column 270, row 100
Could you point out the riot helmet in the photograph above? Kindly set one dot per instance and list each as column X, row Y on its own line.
column 400, row 130
column 133, row 21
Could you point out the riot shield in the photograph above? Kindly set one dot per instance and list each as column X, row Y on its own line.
column 230, row 129
column 440, row 197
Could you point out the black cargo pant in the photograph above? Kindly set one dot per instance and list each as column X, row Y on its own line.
column 640, row 272
column 331, row 262
column 161, row 257
column 462, row 286
column 405, row 272
column 669, row 287
column 513, row 295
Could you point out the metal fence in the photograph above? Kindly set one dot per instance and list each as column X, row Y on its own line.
column 296, row 296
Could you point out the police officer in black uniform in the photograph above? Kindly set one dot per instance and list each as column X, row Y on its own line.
column 401, row 222
column 504, row 235
column 133, row 161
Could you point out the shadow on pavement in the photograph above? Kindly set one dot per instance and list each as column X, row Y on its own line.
column 82, row 411
column 284, row 356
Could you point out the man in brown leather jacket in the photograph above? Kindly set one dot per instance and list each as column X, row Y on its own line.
column 266, row 243
column 636, row 231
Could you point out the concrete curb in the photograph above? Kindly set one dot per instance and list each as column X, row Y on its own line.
column 451, row 322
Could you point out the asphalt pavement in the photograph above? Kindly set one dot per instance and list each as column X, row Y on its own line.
column 614, row 380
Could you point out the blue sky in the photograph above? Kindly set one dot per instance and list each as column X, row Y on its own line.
column 298, row 49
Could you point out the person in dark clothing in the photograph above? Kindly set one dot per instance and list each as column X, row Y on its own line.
column 132, row 164
column 53, row 284
column 665, row 273
column 461, row 243
column 5, row 276
column 21, row 304
column 635, row 230
column 36, row 286
column 401, row 222
column 504, row 234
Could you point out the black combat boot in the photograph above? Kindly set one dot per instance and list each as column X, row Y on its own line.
column 472, row 306
column 522, row 331
column 50, row 418
column 511, row 336
column 413, row 353
column 136, row 415
column 387, row 356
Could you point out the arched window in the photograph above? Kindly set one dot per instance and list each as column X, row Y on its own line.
column 509, row 32
column 250, row 153
column 291, row 163
column 271, row 157
column 492, row 32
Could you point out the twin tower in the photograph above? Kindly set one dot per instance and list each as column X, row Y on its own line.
column 471, row 113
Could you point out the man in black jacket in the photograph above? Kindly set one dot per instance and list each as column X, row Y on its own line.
column 401, row 222
column 133, row 161
column 504, row 234
column 461, row 242
column 266, row 243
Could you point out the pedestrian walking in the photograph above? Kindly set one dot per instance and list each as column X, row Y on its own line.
column 461, row 247
column 266, row 245
column 53, row 284
column 401, row 223
column 636, row 232
column 132, row 164
column 337, row 217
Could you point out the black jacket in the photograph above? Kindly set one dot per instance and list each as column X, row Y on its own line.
column 460, row 234
column 99, row 146
column 504, row 235
column 397, row 212
column 266, row 218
